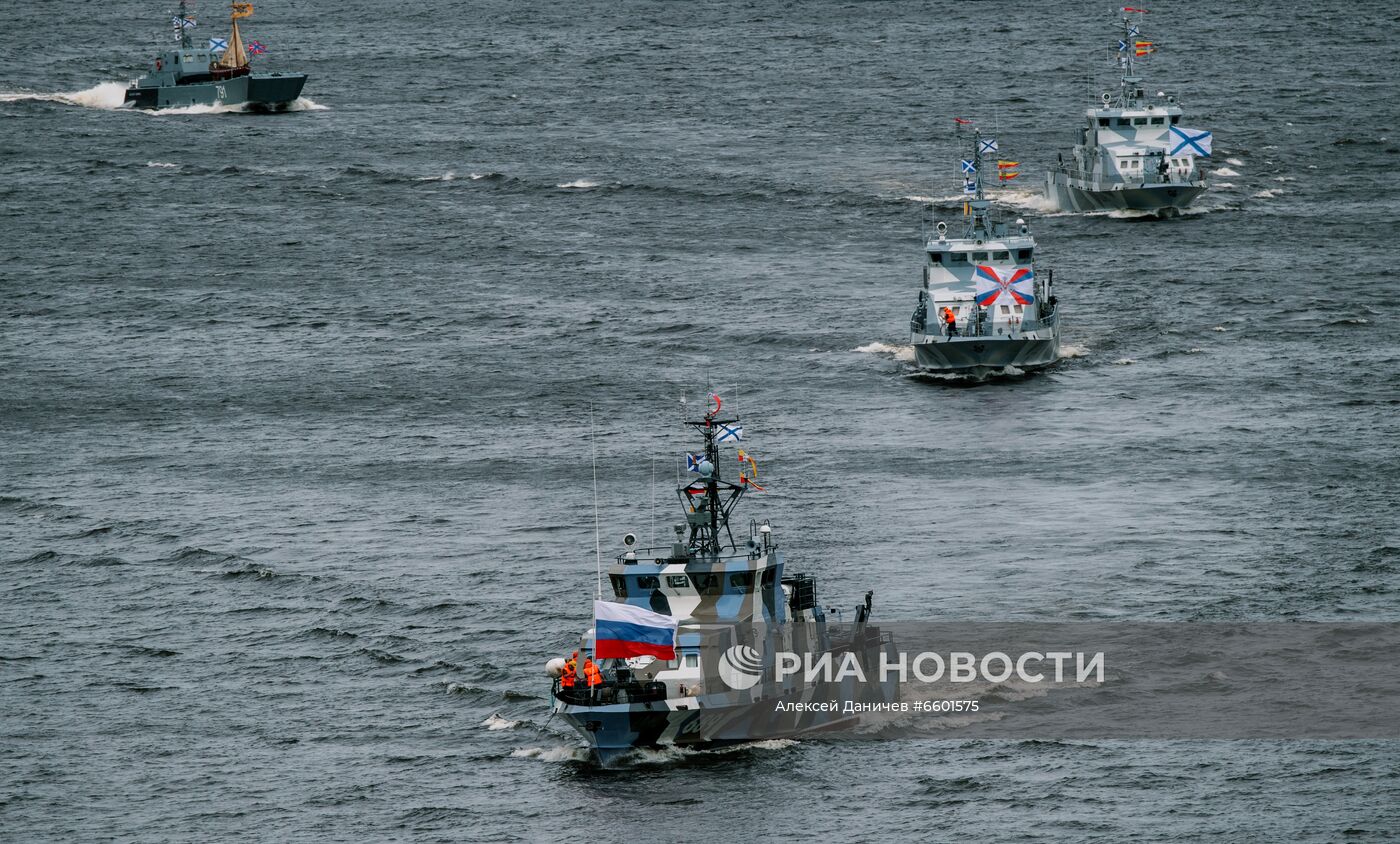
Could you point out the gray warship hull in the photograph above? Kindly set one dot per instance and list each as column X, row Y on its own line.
column 982, row 356
column 269, row 91
column 1163, row 199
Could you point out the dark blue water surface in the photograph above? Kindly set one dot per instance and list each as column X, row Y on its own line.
column 295, row 494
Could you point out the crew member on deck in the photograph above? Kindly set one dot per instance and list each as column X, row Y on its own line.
column 950, row 320
column 592, row 677
column 569, row 678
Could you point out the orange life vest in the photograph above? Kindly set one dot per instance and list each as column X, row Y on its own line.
column 591, row 675
column 570, row 676
column 949, row 316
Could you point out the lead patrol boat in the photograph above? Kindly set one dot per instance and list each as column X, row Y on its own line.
column 735, row 607
column 219, row 74
column 1003, row 314
column 1132, row 153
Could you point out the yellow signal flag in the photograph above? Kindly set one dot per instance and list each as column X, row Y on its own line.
column 1142, row 43
column 1009, row 174
column 1006, row 165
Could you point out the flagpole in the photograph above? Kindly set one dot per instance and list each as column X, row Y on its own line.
column 597, row 535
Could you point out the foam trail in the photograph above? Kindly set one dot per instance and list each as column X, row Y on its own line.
column 551, row 754
column 1027, row 200
column 900, row 353
column 1070, row 350
column 578, row 184
column 106, row 95
column 496, row 722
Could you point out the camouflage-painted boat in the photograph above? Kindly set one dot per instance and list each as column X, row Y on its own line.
column 983, row 309
column 216, row 74
column 1132, row 154
column 736, row 609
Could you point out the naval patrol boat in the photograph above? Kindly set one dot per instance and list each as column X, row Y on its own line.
column 1132, row 153
column 217, row 74
column 735, row 609
column 982, row 307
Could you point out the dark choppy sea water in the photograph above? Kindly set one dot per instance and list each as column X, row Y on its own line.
column 295, row 486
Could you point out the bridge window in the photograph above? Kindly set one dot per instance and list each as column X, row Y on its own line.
column 1156, row 121
column 692, row 660
column 1103, row 121
column 1001, row 256
column 935, row 257
column 619, row 585
column 979, row 256
column 677, row 581
column 1176, row 118
column 1023, row 255
column 1123, row 121
column 957, row 258
column 1139, row 121
column 1006, row 309
column 1020, row 310
column 706, row 584
column 741, row 581
column 648, row 581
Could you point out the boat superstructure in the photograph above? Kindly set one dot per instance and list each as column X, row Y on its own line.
column 983, row 307
column 1132, row 153
column 218, row 73
column 735, row 607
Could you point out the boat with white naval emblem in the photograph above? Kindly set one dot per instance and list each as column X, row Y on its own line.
column 686, row 651
column 982, row 309
column 1132, row 154
column 217, row 74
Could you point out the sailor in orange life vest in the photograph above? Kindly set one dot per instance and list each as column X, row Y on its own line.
column 950, row 320
column 592, row 677
column 569, row 678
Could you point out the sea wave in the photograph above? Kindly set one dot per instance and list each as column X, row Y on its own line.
column 496, row 722
column 1226, row 171
column 579, row 184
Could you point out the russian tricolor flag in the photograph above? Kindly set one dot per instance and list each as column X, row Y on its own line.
column 622, row 630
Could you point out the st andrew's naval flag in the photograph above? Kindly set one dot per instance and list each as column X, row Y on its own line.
column 729, row 433
column 218, row 45
column 621, row 631
column 990, row 286
column 1190, row 141
column 988, row 145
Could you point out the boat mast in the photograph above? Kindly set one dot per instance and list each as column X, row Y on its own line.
column 717, row 498
column 184, row 26
column 979, row 205
column 1130, row 79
